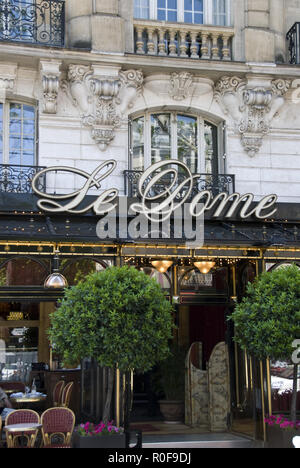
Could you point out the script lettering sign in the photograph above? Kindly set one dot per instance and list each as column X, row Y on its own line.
column 163, row 204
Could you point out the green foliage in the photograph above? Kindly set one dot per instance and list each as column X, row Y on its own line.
column 267, row 320
column 118, row 316
column 171, row 374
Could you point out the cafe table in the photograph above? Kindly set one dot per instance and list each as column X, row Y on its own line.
column 27, row 400
column 22, row 429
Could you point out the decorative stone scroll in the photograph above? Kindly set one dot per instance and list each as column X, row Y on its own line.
column 102, row 99
column 181, row 86
column 8, row 73
column 50, row 75
column 251, row 108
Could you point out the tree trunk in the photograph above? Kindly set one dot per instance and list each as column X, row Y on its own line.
column 294, row 397
column 110, row 386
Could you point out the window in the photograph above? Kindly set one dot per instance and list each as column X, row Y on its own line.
column 17, row 134
column 193, row 11
column 216, row 12
column 167, row 10
column 142, row 9
column 171, row 135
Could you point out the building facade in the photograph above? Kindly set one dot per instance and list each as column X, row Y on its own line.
column 127, row 84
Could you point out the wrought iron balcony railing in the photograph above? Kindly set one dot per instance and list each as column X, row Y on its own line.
column 17, row 179
column 293, row 37
column 39, row 22
column 214, row 183
column 183, row 40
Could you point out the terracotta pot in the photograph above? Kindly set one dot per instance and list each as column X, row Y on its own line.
column 172, row 411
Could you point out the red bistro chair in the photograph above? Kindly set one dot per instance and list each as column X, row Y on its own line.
column 22, row 416
column 66, row 395
column 57, row 423
column 57, row 393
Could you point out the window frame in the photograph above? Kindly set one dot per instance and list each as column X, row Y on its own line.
column 6, row 131
column 218, row 159
column 208, row 14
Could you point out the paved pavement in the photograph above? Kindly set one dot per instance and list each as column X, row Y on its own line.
column 209, row 440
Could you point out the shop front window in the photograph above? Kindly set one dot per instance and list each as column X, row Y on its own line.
column 76, row 271
column 23, row 272
column 186, row 138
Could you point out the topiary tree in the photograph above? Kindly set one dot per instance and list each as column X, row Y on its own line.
column 119, row 317
column 268, row 318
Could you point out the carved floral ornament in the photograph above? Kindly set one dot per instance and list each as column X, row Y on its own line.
column 102, row 100
column 251, row 108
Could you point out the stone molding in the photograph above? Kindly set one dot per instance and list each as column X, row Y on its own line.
column 251, row 106
column 181, row 85
column 102, row 99
column 8, row 75
column 50, row 76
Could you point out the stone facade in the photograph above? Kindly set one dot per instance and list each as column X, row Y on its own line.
column 87, row 92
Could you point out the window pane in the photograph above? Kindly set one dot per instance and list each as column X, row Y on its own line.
column 138, row 144
column 172, row 15
column 141, row 9
column 160, row 137
column 211, row 148
column 187, row 141
column 167, row 10
column 172, row 4
column 193, row 11
column 22, row 134
column 220, row 12
column 161, row 3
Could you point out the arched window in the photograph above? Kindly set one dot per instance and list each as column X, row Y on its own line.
column 76, row 271
column 17, row 134
column 173, row 135
column 216, row 12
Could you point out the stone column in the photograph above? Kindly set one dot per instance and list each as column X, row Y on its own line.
column 100, row 25
column 278, row 25
column 259, row 38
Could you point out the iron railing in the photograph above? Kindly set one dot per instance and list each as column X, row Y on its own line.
column 17, row 179
column 293, row 38
column 39, row 22
column 215, row 183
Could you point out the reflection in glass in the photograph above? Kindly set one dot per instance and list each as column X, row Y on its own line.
column 187, row 141
column 160, row 137
column 282, row 386
column 23, row 272
column 77, row 271
column 138, row 144
column 18, row 350
column 219, row 12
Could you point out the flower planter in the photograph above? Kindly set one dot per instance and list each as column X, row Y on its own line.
column 114, row 441
column 172, row 411
column 280, row 438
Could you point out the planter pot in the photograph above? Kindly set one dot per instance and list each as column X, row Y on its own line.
column 280, row 438
column 172, row 411
column 105, row 441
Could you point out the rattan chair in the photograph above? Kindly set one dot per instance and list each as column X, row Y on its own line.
column 57, row 393
column 66, row 395
column 20, row 417
column 57, row 427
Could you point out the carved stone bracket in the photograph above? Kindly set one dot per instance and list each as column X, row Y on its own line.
column 8, row 74
column 181, row 85
column 102, row 99
column 50, row 75
column 252, row 108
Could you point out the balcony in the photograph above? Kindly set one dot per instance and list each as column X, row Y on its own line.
column 17, row 179
column 293, row 38
column 183, row 40
column 214, row 183
column 40, row 22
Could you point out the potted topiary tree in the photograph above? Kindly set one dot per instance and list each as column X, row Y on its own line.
column 120, row 317
column 267, row 322
column 171, row 378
